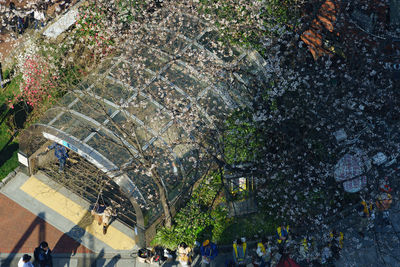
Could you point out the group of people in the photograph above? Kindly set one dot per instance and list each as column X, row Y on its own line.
column 208, row 252
column 42, row 257
column 380, row 207
column 269, row 253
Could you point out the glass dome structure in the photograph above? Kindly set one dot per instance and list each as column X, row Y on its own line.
column 153, row 100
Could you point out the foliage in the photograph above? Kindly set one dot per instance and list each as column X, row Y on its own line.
column 201, row 218
column 38, row 83
column 242, row 138
column 11, row 89
column 248, row 23
column 252, row 226
column 91, row 27
column 8, row 155
column 101, row 25
column 128, row 10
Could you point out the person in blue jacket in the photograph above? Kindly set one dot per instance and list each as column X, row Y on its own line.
column 61, row 154
column 208, row 252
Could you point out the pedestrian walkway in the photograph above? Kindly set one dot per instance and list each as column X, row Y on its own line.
column 22, row 231
column 76, row 213
column 379, row 247
column 36, row 208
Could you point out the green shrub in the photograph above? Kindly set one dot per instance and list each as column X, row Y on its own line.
column 242, row 140
column 203, row 217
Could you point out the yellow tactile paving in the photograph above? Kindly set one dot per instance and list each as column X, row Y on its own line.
column 76, row 214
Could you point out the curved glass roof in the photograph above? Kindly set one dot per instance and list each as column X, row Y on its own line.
column 153, row 99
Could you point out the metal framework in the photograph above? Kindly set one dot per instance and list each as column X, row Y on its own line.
column 171, row 66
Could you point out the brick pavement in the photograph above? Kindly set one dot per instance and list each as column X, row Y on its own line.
column 22, row 231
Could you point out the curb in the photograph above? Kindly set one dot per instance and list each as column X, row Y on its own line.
column 9, row 177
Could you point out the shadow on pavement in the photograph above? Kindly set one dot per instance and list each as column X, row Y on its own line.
column 70, row 241
column 38, row 222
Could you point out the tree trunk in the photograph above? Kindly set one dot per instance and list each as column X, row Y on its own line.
column 163, row 198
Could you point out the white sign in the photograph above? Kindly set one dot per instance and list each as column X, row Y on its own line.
column 23, row 159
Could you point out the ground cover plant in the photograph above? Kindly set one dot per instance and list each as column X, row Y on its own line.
column 8, row 146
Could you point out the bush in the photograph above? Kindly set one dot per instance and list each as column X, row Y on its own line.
column 203, row 217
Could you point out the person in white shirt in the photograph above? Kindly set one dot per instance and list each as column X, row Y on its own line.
column 25, row 261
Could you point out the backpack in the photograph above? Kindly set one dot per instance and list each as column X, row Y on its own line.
column 159, row 254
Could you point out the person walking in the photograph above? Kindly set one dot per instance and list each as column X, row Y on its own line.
column 184, row 255
column 61, row 154
column 240, row 252
column 208, row 252
column 25, row 261
column 42, row 255
column 102, row 214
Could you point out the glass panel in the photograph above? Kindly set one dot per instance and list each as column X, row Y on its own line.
column 236, row 90
column 214, row 105
column 165, row 94
column 130, row 127
column 185, row 80
column 86, row 83
column 195, row 164
column 109, row 148
column 152, row 59
column 49, row 115
column 168, row 42
column 211, row 41
column 200, row 127
column 148, row 112
column 76, row 127
column 172, row 43
column 200, row 59
column 105, row 66
column 147, row 187
column 151, row 214
column 67, row 99
column 175, row 135
column 247, row 65
column 112, row 91
column 131, row 73
column 93, row 108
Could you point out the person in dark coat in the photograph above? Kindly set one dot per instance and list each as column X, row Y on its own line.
column 61, row 154
column 42, row 255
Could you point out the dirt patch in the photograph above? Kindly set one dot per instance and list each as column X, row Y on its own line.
column 7, row 44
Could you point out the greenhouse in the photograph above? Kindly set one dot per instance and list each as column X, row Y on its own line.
column 151, row 102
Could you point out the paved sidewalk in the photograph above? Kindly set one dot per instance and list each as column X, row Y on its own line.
column 29, row 216
column 36, row 208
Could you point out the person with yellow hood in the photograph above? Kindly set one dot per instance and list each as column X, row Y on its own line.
column 208, row 252
column 264, row 253
column 282, row 233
